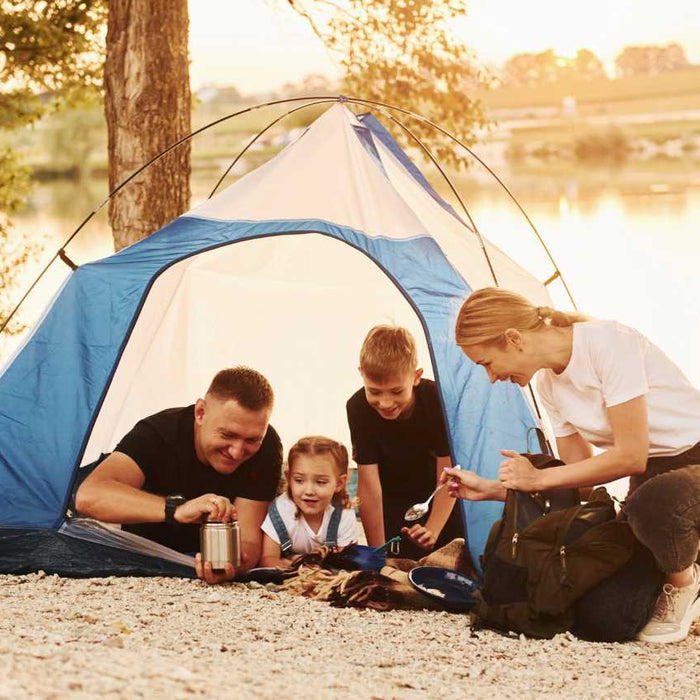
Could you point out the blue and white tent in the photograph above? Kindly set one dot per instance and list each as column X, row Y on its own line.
column 284, row 271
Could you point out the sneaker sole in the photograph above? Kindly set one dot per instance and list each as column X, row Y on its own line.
column 680, row 634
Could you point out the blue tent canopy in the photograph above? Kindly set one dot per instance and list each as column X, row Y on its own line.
column 65, row 395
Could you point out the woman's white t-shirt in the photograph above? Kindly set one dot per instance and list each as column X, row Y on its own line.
column 303, row 538
column 610, row 364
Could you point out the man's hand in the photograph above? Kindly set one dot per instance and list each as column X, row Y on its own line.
column 211, row 576
column 209, row 507
column 423, row 537
column 517, row 473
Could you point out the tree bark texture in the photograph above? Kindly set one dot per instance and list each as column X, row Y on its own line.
column 148, row 107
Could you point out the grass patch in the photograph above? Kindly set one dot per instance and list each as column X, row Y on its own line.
column 650, row 88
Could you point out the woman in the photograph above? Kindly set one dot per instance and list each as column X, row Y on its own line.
column 604, row 385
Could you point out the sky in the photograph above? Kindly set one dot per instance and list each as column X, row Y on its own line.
column 258, row 45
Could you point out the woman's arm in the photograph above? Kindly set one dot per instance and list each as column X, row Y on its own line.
column 575, row 448
column 627, row 456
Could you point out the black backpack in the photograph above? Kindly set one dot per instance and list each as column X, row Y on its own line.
column 547, row 550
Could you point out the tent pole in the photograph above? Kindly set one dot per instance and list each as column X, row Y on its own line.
column 123, row 183
column 427, row 151
column 320, row 99
column 491, row 172
column 259, row 134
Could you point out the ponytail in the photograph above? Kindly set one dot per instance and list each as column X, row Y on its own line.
column 488, row 313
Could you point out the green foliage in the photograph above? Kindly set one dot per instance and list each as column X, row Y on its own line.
column 71, row 137
column 52, row 46
column 651, row 60
column 14, row 184
column 530, row 69
column 403, row 52
column 51, row 55
column 610, row 146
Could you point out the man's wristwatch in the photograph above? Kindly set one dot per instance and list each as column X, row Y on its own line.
column 171, row 503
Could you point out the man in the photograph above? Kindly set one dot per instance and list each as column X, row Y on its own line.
column 216, row 460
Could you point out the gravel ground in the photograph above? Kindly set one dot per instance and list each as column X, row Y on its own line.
column 128, row 637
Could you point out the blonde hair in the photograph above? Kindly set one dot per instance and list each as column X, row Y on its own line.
column 388, row 351
column 315, row 445
column 488, row 313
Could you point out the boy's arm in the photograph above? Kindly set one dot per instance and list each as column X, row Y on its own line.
column 271, row 553
column 442, row 503
column 426, row 536
column 369, row 493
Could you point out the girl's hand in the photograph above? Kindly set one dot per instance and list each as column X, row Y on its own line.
column 517, row 473
column 423, row 537
column 462, row 483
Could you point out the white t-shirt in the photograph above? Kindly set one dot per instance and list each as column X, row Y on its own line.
column 610, row 364
column 303, row 538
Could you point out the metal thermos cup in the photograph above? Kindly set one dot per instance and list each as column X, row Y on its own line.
column 220, row 544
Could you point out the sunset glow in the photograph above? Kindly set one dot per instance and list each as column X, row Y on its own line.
column 259, row 45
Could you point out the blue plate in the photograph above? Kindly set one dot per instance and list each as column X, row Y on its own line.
column 452, row 589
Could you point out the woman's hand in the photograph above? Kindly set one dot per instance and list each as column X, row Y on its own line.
column 517, row 473
column 461, row 483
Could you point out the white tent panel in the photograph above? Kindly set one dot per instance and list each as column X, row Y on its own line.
column 459, row 243
column 325, row 174
column 358, row 193
column 296, row 308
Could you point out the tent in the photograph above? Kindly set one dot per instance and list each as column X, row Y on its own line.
column 284, row 271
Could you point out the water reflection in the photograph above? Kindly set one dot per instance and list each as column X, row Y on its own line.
column 626, row 240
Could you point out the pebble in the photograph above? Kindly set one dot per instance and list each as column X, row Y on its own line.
column 58, row 639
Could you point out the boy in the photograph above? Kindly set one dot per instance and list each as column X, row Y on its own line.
column 400, row 445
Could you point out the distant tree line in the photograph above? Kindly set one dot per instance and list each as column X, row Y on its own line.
column 547, row 67
column 651, row 60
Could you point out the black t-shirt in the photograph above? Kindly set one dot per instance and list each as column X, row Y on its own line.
column 163, row 447
column 405, row 451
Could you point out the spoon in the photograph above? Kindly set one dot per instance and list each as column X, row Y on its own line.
column 420, row 509
column 417, row 511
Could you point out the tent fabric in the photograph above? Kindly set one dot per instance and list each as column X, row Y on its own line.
column 285, row 270
column 28, row 550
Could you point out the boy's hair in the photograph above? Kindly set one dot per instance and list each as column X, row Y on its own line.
column 243, row 384
column 312, row 446
column 386, row 352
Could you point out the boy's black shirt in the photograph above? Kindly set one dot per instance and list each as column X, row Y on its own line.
column 405, row 451
column 163, row 447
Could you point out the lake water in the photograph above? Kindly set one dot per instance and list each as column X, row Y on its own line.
column 627, row 242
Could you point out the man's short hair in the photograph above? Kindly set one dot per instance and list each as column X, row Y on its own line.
column 245, row 385
column 388, row 351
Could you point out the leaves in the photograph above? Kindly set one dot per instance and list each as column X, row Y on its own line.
column 403, row 52
column 547, row 67
column 51, row 55
column 52, row 46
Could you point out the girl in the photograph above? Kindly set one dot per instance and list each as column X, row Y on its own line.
column 316, row 508
column 605, row 385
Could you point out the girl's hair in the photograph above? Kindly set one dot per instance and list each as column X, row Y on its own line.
column 313, row 446
column 488, row 313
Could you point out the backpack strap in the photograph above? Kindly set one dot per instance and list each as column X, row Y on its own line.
column 332, row 533
column 280, row 529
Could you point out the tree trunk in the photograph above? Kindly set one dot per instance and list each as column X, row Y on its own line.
column 148, row 106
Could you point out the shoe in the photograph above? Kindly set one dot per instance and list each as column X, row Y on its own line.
column 674, row 612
